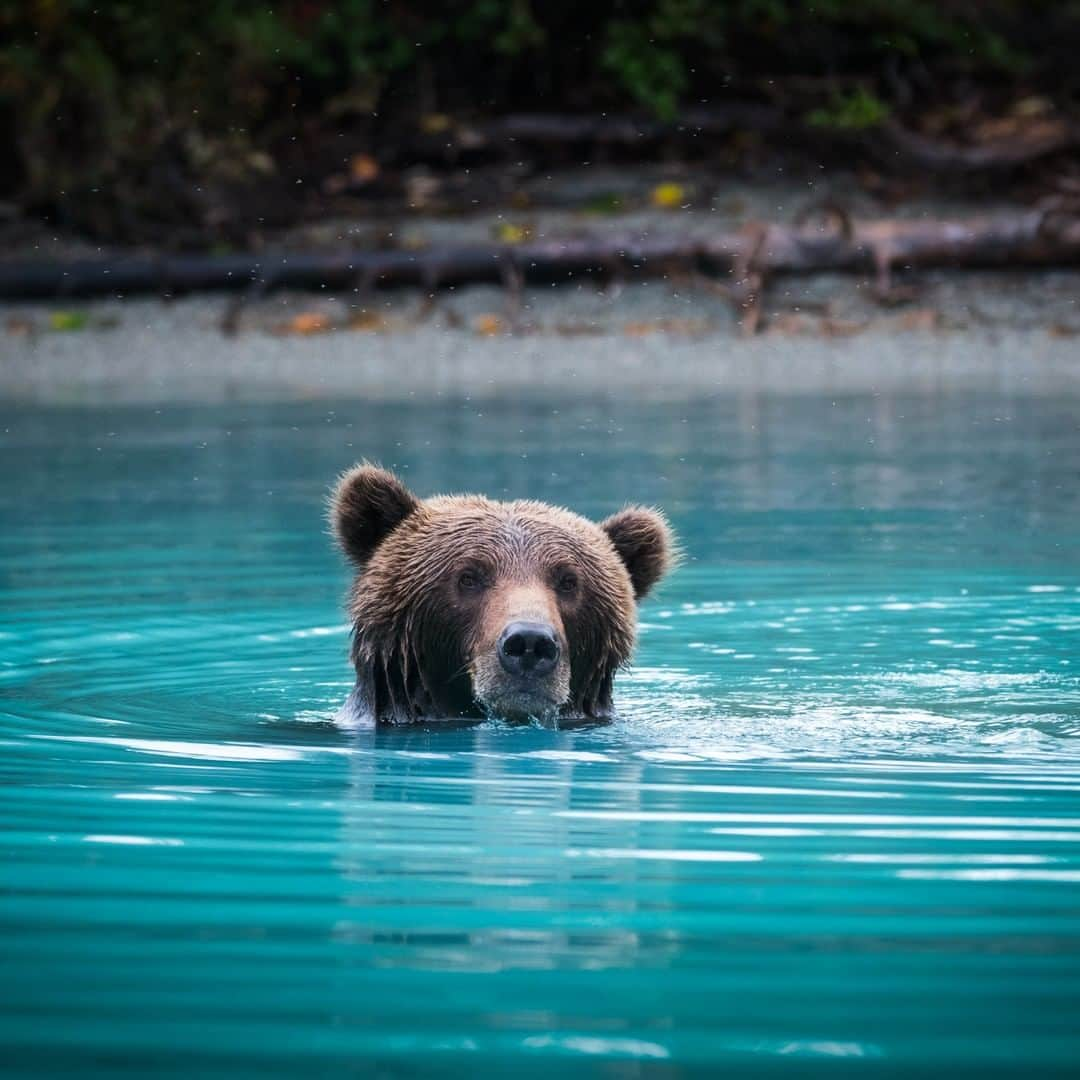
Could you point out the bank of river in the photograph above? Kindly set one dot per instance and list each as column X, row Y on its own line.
column 661, row 338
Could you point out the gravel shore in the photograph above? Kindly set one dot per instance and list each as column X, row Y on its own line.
column 662, row 339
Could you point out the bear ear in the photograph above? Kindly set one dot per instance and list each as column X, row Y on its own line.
column 644, row 542
column 367, row 505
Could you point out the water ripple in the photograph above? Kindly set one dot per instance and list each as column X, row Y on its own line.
column 837, row 822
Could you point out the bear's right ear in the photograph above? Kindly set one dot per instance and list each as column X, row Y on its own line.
column 367, row 505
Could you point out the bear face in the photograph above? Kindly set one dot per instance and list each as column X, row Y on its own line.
column 467, row 607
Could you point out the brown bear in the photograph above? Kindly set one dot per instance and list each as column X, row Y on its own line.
column 463, row 607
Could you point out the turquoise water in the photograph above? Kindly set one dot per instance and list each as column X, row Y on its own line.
column 836, row 829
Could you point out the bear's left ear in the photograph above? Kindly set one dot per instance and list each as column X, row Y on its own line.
column 645, row 543
column 367, row 505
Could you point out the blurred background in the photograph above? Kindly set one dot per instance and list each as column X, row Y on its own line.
column 754, row 169
column 203, row 124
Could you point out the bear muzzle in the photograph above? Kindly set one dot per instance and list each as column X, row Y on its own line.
column 525, row 674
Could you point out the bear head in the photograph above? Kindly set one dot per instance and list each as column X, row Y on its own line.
column 467, row 607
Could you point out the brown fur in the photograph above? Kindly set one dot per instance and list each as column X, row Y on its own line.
column 438, row 580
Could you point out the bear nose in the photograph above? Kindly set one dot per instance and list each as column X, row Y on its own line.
column 527, row 648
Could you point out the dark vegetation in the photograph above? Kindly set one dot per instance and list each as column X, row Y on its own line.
column 202, row 124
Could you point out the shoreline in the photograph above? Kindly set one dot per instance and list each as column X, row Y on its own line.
column 1011, row 332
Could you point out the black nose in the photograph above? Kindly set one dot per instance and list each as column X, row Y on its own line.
column 527, row 648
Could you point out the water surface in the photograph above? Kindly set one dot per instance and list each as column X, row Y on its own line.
column 838, row 824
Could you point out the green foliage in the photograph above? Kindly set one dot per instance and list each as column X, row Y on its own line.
column 851, row 112
column 648, row 54
column 656, row 48
column 93, row 90
column 654, row 74
column 607, row 202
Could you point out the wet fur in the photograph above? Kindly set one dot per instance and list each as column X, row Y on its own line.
column 421, row 651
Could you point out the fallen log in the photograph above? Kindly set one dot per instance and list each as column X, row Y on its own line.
column 506, row 135
column 1023, row 238
column 892, row 143
column 939, row 155
column 631, row 129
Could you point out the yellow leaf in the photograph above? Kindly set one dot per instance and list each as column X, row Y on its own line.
column 509, row 233
column 668, row 196
column 488, row 324
column 68, row 320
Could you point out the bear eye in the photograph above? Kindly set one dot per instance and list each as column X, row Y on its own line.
column 567, row 582
column 469, row 581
